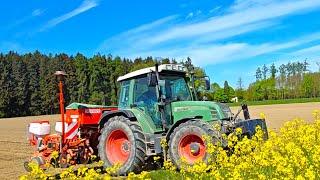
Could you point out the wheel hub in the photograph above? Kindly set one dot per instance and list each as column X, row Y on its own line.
column 195, row 148
column 126, row 146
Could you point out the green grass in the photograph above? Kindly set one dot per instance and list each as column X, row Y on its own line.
column 280, row 101
column 165, row 174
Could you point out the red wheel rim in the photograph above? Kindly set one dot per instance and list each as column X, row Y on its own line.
column 117, row 147
column 192, row 148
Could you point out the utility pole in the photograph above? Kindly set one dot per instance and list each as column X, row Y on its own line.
column 240, row 86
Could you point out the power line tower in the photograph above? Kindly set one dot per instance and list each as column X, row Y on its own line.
column 240, row 83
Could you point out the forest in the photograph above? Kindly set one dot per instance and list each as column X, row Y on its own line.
column 28, row 85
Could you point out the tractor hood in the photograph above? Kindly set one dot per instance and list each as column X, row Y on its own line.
column 206, row 110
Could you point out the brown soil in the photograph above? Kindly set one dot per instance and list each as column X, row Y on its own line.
column 14, row 148
column 277, row 115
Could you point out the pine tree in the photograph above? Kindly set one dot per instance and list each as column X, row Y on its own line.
column 6, row 86
column 99, row 81
column 273, row 71
column 188, row 64
column 19, row 94
column 71, row 82
column 226, row 88
column 34, row 93
column 258, row 74
column 83, row 78
column 264, row 71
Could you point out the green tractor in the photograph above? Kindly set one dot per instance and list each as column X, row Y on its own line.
column 160, row 103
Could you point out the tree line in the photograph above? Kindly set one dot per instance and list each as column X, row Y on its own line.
column 287, row 81
column 28, row 85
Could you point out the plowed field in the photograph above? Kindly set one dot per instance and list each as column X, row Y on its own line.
column 14, row 148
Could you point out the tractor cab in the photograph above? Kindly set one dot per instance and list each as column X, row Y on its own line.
column 165, row 95
column 147, row 94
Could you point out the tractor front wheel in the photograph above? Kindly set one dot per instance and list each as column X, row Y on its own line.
column 122, row 143
column 186, row 144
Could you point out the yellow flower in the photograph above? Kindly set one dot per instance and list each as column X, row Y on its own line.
column 238, row 131
column 310, row 174
column 262, row 115
column 55, row 154
column 163, row 143
column 156, row 158
column 291, row 153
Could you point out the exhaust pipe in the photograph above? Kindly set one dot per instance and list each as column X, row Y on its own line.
column 246, row 113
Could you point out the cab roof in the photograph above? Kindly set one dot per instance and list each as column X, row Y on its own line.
column 162, row 67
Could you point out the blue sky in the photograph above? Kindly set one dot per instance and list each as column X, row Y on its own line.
column 229, row 39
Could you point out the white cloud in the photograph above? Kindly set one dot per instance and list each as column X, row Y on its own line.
column 190, row 15
column 311, row 54
column 37, row 12
column 136, row 35
column 201, row 39
column 235, row 19
column 34, row 13
column 152, row 25
column 85, row 6
column 309, row 51
column 229, row 33
column 240, row 5
column 203, row 55
column 215, row 9
column 193, row 14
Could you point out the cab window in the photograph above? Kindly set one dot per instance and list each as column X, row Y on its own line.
column 124, row 94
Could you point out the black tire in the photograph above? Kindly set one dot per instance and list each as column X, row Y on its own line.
column 63, row 160
column 195, row 128
column 82, row 158
column 137, row 146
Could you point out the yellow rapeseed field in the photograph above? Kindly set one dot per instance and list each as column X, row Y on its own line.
column 291, row 153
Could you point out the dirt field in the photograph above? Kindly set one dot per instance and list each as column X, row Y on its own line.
column 14, row 149
column 277, row 115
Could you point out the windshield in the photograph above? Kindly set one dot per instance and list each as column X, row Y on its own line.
column 175, row 88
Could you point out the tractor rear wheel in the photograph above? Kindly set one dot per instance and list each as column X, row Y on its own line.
column 187, row 144
column 122, row 142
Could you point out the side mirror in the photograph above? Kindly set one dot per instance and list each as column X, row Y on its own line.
column 207, row 80
column 152, row 80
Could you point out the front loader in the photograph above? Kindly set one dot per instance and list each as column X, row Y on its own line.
column 160, row 103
